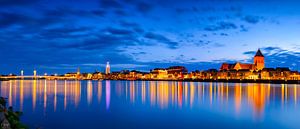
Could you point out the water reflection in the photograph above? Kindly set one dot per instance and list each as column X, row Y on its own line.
column 163, row 95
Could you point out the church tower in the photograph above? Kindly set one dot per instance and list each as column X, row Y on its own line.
column 259, row 60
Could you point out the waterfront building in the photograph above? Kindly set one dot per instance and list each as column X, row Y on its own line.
column 236, row 71
column 76, row 75
column 258, row 64
column 97, row 76
column 159, row 73
column 177, row 72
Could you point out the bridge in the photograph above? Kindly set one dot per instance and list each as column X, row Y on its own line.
column 35, row 77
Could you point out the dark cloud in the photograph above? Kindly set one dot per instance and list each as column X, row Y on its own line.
column 243, row 28
column 68, row 11
column 98, row 12
column 121, row 12
column 65, row 32
column 221, row 26
column 5, row 3
column 128, row 24
column 8, row 19
column 207, row 8
column 135, row 26
column 143, row 7
column 272, row 48
column 115, row 31
column 102, row 41
column 249, row 53
column 251, row 19
column 161, row 39
column 110, row 4
column 223, row 34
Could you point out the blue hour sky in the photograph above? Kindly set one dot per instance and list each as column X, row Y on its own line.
column 57, row 36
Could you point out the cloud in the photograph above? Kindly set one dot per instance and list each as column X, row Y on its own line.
column 29, row 21
column 5, row 3
column 161, row 39
column 8, row 19
column 117, row 37
column 64, row 32
column 110, row 4
column 221, row 26
column 115, row 31
column 64, row 11
column 251, row 53
column 251, row 19
column 143, row 7
column 278, row 57
column 135, row 26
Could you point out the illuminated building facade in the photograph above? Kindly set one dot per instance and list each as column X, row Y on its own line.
column 258, row 64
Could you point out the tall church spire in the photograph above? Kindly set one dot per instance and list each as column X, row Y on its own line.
column 258, row 53
column 259, row 60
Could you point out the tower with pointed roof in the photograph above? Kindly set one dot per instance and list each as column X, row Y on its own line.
column 259, row 60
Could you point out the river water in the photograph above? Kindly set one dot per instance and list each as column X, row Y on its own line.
column 51, row 104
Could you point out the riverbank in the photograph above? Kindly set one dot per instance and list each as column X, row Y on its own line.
column 194, row 80
column 9, row 118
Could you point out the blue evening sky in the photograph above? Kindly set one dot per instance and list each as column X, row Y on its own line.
column 57, row 36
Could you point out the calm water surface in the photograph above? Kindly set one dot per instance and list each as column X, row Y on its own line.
column 150, row 104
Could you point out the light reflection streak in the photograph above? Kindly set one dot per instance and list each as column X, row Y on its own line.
column 89, row 92
column 55, row 94
column 65, row 95
column 10, row 94
column 99, row 90
column 143, row 92
column 107, row 94
column 21, row 94
column 34, row 94
column 45, row 95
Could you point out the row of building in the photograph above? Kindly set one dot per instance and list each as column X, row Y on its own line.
column 238, row 70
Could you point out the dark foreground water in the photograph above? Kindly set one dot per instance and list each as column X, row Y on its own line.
column 150, row 104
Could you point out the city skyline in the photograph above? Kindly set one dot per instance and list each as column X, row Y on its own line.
column 59, row 37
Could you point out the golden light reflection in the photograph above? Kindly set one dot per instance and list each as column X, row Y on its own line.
column 33, row 94
column 132, row 91
column 55, row 95
column 10, row 94
column 21, row 94
column 143, row 92
column 99, row 90
column 89, row 92
column 237, row 97
column 45, row 95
